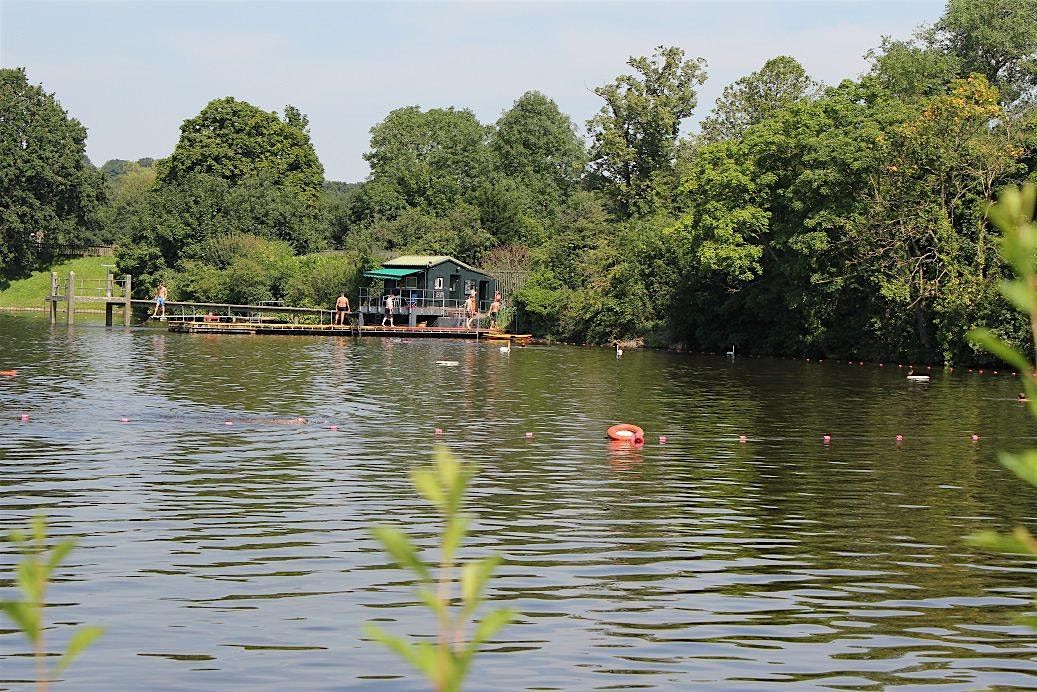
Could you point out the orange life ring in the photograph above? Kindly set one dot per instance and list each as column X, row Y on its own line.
column 627, row 433
column 8, row 373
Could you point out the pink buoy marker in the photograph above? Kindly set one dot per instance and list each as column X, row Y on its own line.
column 439, row 431
column 743, row 438
column 975, row 437
column 124, row 420
column 24, row 417
column 900, row 438
column 227, row 422
column 827, row 439
column 662, row 439
column 529, row 436
column 332, row 427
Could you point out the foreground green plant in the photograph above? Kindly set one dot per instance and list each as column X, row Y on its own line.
column 446, row 662
column 1014, row 215
column 33, row 576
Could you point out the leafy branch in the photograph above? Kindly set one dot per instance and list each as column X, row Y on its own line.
column 446, row 662
column 32, row 577
column 1014, row 216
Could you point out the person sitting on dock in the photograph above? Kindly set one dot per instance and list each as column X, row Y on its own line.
column 341, row 310
column 160, row 300
column 471, row 310
column 494, row 313
column 390, row 302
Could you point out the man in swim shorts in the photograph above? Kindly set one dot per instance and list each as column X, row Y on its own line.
column 494, row 312
column 160, row 300
column 342, row 310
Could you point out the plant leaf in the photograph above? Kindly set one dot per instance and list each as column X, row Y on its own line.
column 59, row 552
column 1018, row 294
column 492, row 623
column 997, row 542
column 402, row 550
column 474, row 576
column 429, row 598
column 453, row 534
column 986, row 338
column 427, row 484
column 84, row 637
column 23, row 615
column 1023, row 464
column 402, row 647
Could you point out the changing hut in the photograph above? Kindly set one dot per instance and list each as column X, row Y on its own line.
column 432, row 291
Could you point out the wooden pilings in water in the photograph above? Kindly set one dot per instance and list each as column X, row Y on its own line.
column 71, row 298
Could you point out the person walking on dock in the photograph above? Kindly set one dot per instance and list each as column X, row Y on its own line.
column 471, row 309
column 160, row 300
column 390, row 303
column 494, row 313
column 342, row 310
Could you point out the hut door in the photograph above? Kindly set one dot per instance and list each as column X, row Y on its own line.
column 455, row 287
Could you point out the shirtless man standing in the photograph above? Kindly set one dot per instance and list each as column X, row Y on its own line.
column 341, row 310
column 471, row 309
column 160, row 300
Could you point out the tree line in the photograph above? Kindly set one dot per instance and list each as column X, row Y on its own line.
column 845, row 220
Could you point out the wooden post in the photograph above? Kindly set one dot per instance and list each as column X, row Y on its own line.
column 70, row 299
column 53, row 297
column 108, row 307
column 108, row 284
column 127, row 303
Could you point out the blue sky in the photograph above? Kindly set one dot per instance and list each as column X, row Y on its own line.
column 133, row 71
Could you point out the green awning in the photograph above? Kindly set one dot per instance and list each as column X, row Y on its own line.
column 391, row 272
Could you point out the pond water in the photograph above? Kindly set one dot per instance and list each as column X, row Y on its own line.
column 238, row 556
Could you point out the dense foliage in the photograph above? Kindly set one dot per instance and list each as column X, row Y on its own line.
column 50, row 195
column 801, row 219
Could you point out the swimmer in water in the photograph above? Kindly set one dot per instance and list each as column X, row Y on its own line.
column 289, row 421
column 1021, row 398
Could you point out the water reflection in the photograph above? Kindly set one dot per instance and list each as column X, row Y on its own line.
column 238, row 556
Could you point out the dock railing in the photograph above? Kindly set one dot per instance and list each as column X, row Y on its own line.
column 432, row 302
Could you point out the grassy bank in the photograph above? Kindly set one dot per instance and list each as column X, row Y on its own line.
column 30, row 291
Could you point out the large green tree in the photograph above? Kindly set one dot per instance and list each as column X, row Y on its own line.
column 756, row 97
column 536, row 145
column 234, row 140
column 50, row 195
column 425, row 159
column 635, row 135
column 994, row 38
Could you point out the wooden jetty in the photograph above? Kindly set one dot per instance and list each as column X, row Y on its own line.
column 434, row 319
column 110, row 293
column 194, row 326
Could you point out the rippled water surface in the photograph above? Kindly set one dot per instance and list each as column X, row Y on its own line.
column 237, row 556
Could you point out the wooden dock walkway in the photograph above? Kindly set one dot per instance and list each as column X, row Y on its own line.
column 250, row 328
column 271, row 318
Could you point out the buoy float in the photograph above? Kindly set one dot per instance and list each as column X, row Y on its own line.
column 900, row 438
column 227, row 422
column 662, row 439
column 124, row 420
column 332, row 427
column 743, row 438
column 439, row 431
column 8, row 373
column 529, row 436
column 24, row 417
column 827, row 439
column 626, row 432
column 975, row 437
